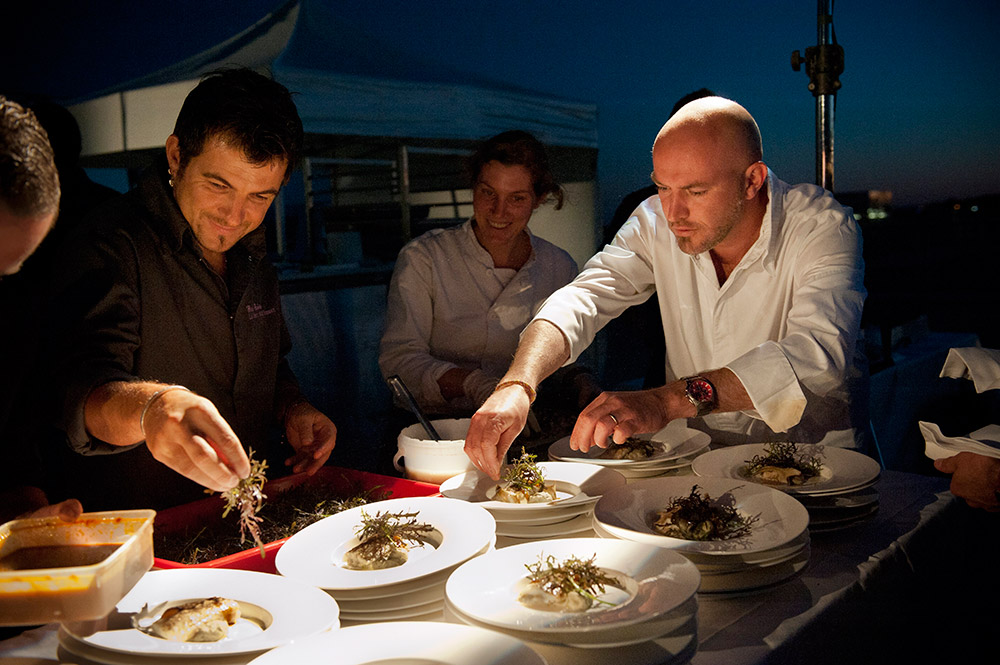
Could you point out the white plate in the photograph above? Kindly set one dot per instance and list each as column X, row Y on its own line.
column 756, row 578
column 627, row 512
column 677, row 439
column 679, row 621
column 77, row 649
column 401, row 601
column 838, row 502
column 575, row 525
column 395, row 613
column 423, row 643
column 548, row 517
column 569, row 479
column 657, row 581
column 843, row 469
column 632, row 472
column 314, row 555
column 296, row 610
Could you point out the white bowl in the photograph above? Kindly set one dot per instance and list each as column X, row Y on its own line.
column 433, row 461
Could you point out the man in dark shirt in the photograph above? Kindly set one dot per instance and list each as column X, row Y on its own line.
column 29, row 204
column 173, row 342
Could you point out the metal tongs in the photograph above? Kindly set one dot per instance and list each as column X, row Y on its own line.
column 403, row 394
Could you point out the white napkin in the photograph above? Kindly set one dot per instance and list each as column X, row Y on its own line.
column 972, row 362
column 985, row 441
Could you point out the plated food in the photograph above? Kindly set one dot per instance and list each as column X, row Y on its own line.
column 642, row 584
column 524, row 482
column 385, row 539
column 839, row 470
column 673, row 447
column 633, row 448
column 697, row 516
column 315, row 555
column 577, row 487
column 783, row 463
column 629, row 512
column 203, row 620
column 568, row 585
column 179, row 612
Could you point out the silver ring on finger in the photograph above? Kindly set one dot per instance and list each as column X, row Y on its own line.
column 612, row 416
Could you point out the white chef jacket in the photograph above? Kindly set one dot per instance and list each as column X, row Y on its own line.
column 786, row 321
column 449, row 307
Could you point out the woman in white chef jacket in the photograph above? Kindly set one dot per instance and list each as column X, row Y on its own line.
column 460, row 297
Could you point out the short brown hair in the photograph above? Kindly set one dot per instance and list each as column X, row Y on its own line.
column 29, row 181
column 517, row 147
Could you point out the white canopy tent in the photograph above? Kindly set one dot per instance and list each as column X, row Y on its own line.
column 352, row 88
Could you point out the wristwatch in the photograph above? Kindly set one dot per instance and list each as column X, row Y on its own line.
column 701, row 393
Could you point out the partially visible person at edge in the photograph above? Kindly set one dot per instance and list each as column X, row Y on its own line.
column 974, row 478
column 172, row 344
column 460, row 297
column 29, row 204
column 760, row 286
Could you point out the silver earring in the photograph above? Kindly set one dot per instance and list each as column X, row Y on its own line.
column 170, row 179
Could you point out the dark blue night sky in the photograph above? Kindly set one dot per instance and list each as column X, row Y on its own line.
column 915, row 114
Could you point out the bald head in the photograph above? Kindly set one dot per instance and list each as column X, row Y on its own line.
column 724, row 130
column 710, row 179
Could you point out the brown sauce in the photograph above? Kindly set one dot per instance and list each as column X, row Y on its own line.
column 55, row 556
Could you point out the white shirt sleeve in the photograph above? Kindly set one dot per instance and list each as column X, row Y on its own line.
column 409, row 319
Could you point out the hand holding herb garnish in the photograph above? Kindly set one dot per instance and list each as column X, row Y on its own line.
column 572, row 585
column 697, row 517
column 248, row 497
column 384, row 539
column 524, row 482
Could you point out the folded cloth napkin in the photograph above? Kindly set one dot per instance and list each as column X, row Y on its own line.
column 985, row 441
column 972, row 362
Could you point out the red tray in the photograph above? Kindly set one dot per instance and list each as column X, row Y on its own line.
column 209, row 511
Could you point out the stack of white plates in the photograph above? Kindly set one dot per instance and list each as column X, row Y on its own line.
column 274, row 611
column 656, row 601
column 677, row 447
column 578, row 487
column 413, row 590
column 776, row 548
column 414, row 642
column 841, row 496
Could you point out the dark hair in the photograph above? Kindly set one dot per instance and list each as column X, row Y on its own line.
column 521, row 148
column 29, row 181
column 244, row 107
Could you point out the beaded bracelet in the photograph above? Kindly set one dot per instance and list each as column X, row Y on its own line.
column 149, row 402
column 528, row 389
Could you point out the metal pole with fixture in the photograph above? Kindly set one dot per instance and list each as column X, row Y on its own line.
column 824, row 65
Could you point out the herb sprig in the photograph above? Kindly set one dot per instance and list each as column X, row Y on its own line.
column 698, row 517
column 573, row 575
column 785, row 455
column 380, row 534
column 248, row 497
column 524, row 475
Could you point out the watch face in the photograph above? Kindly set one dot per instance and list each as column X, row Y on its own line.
column 701, row 390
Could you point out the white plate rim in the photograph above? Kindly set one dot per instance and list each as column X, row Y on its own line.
column 306, row 555
column 356, row 645
column 666, row 580
column 472, row 486
column 298, row 610
column 624, row 513
column 851, row 470
column 691, row 442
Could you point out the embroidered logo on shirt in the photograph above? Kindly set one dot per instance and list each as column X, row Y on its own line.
column 256, row 310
